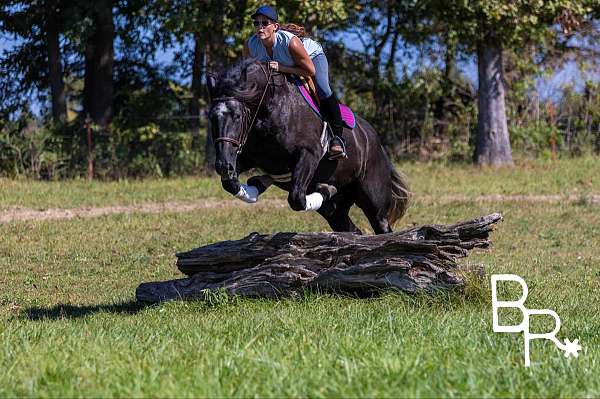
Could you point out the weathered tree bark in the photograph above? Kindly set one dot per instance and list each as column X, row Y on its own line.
column 420, row 259
column 99, row 62
column 55, row 71
column 493, row 144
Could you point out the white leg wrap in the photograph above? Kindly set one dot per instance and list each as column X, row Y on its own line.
column 313, row 202
column 248, row 194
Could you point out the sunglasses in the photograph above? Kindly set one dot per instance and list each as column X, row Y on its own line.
column 261, row 23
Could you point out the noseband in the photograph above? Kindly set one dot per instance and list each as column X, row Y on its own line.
column 241, row 141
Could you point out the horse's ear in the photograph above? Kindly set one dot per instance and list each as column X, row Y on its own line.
column 211, row 84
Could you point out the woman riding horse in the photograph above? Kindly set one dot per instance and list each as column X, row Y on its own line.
column 260, row 120
column 285, row 52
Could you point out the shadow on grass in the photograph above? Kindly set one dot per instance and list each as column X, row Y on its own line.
column 473, row 295
column 62, row 312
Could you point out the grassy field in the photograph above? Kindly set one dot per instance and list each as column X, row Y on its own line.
column 573, row 176
column 69, row 325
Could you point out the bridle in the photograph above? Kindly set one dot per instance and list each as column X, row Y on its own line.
column 241, row 140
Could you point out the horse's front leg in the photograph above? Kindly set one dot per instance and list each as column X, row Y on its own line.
column 256, row 186
column 262, row 183
column 232, row 184
column 303, row 173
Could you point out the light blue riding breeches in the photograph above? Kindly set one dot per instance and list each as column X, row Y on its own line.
column 322, row 76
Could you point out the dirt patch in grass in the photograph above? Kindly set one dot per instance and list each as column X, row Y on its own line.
column 530, row 199
column 23, row 214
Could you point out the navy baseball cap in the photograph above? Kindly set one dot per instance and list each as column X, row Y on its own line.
column 267, row 11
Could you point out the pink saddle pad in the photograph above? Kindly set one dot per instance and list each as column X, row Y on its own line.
column 347, row 114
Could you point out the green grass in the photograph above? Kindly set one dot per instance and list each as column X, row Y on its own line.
column 568, row 176
column 80, row 192
column 535, row 177
column 69, row 325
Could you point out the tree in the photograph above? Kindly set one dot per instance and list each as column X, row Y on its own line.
column 389, row 31
column 98, row 89
column 36, row 59
column 55, row 69
column 487, row 28
column 198, row 28
column 317, row 17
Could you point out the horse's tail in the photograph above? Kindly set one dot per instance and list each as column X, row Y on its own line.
column 401, row 196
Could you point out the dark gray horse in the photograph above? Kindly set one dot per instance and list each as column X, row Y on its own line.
column 260, row 120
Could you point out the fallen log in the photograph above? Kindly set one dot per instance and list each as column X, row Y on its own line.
column 420, row 259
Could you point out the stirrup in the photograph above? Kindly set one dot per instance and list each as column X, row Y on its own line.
column 339, row 154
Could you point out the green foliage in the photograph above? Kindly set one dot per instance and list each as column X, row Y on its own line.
column 217, row 298
column 315, row 14
column 147, row 151
column 25, row 63
column 535, row 139
column 568, row 123
column 426, row 112
column 423, row 115
column 30, row 150
column 513, row 23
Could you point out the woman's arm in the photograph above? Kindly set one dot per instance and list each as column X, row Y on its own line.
column 246, row 50
column 304, row 65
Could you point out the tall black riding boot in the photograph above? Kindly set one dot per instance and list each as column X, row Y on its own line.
column 331, row 112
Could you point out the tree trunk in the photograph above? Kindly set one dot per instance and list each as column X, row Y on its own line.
column 493, row 145
column 422, row 259
column 55, row 71
column 210, row 153
column 215, row 62
column 443, row 108
column 99, row 61
column 197, row 74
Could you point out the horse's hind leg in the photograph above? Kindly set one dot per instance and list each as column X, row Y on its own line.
column 375, row 207
column 339, row 220
column 379, row 223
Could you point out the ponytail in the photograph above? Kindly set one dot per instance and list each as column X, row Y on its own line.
column 296, row 29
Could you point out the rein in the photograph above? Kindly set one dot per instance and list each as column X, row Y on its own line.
column 241, row 141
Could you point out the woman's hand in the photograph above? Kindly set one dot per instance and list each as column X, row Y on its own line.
column 274, row 66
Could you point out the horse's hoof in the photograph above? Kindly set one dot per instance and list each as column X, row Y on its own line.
column 326, row 190
column 262, row 183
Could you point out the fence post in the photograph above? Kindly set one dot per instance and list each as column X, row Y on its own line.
column 90, row 168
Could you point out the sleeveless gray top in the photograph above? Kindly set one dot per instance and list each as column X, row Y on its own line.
column 281, row 52
column 312, row 48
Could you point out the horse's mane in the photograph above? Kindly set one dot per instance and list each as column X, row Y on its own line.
column 235, row 82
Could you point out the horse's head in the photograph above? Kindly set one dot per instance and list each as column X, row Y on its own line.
column 235, row 95
column 227, row 122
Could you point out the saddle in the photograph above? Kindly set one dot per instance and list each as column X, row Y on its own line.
column 307, row 88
